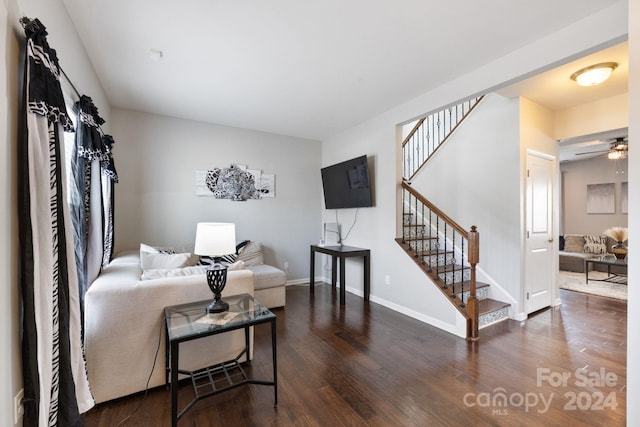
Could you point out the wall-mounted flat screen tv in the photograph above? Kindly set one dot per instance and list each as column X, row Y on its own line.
column 347, row 184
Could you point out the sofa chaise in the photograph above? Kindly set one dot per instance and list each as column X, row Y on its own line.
column 124, row 334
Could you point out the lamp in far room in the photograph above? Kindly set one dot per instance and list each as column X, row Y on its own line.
column 215, row 239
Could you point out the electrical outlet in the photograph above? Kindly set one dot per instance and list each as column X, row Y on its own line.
column 18, row 408
column 286, row 266
column 387, row 280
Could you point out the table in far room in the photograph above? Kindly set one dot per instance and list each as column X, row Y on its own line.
column 610, row 261
column 343, row 252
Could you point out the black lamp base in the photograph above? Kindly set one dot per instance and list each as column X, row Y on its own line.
column 216, row 279
column 217, row 306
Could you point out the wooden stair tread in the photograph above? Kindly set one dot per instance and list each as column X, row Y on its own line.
column 450, row 267
column 489, row 305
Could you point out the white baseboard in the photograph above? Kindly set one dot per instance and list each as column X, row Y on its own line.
column 297, row 282
column 520, row 316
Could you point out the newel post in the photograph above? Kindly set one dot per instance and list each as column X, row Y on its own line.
column 472, row 304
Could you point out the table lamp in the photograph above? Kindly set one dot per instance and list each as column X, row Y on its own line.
column 216, row 239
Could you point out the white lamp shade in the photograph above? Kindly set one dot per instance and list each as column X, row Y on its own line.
column 215, row 238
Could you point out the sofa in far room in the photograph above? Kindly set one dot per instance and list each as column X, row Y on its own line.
column 574, row 248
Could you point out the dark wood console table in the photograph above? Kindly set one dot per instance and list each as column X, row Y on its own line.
column 341, row 252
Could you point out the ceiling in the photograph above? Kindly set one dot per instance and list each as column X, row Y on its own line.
column 300, row 68
column 556, row 91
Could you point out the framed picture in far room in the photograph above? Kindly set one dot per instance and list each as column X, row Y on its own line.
column 601, row 198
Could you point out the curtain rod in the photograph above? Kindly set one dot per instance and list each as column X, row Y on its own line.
column 27, row 21
column 70, row 82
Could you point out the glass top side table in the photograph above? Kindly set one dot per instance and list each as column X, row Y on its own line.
column 186, row 322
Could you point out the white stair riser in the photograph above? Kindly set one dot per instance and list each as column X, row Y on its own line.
column 493, row 317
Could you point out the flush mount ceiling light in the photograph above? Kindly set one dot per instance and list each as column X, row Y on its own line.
column 594, row 74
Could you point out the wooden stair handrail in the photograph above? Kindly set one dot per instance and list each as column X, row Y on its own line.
column 414, row 130
column 445, row 138
column 434, row 208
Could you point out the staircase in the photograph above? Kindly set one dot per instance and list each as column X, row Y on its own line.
column 442, row 249
column 429, row 133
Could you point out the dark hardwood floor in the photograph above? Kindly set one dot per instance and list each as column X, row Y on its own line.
column 365, row 365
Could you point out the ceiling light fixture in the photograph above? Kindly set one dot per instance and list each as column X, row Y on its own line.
column 594, row 74
column 615, row 155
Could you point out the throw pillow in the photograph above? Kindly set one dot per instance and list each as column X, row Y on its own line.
column 224, row 259
column 156, row 249
column 160, row 260
column 573, row 243
column 251, row 254
column 595, row 244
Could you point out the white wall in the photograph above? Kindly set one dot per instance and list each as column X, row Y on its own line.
column 74, row 61
column 157, row 158
column 537, row 136
column 379, row 138
column 11, row 366
column 586, row 119
column 577, row 175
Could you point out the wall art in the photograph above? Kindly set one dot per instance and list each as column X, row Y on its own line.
column 235, row 182
column 601, row 198
column 624, row 197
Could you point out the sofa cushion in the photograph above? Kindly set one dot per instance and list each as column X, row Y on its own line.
column 157, row 273
column 573, row 261
column 266, row 276
column 573, row 243
column 595, row 244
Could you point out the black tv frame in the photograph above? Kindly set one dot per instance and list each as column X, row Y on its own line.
column 347, row 184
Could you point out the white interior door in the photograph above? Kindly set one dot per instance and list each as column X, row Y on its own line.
column 540, row 234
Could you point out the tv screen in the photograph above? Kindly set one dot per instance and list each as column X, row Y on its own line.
column 347, row 185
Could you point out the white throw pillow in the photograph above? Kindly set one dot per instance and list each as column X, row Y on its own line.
column 157, row 249
column 160, row 260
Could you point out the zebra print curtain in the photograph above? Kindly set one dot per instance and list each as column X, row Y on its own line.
column 54, row 373
column 109, row 177
column 93, row 175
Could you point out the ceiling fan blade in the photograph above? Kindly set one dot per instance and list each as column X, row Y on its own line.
column 592, row 152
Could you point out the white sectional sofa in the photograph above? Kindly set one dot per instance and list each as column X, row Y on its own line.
column 124, row 321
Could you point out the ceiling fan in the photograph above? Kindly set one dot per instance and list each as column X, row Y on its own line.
column 618, row 149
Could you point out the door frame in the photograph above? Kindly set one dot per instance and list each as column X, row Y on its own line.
column 555, row 224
